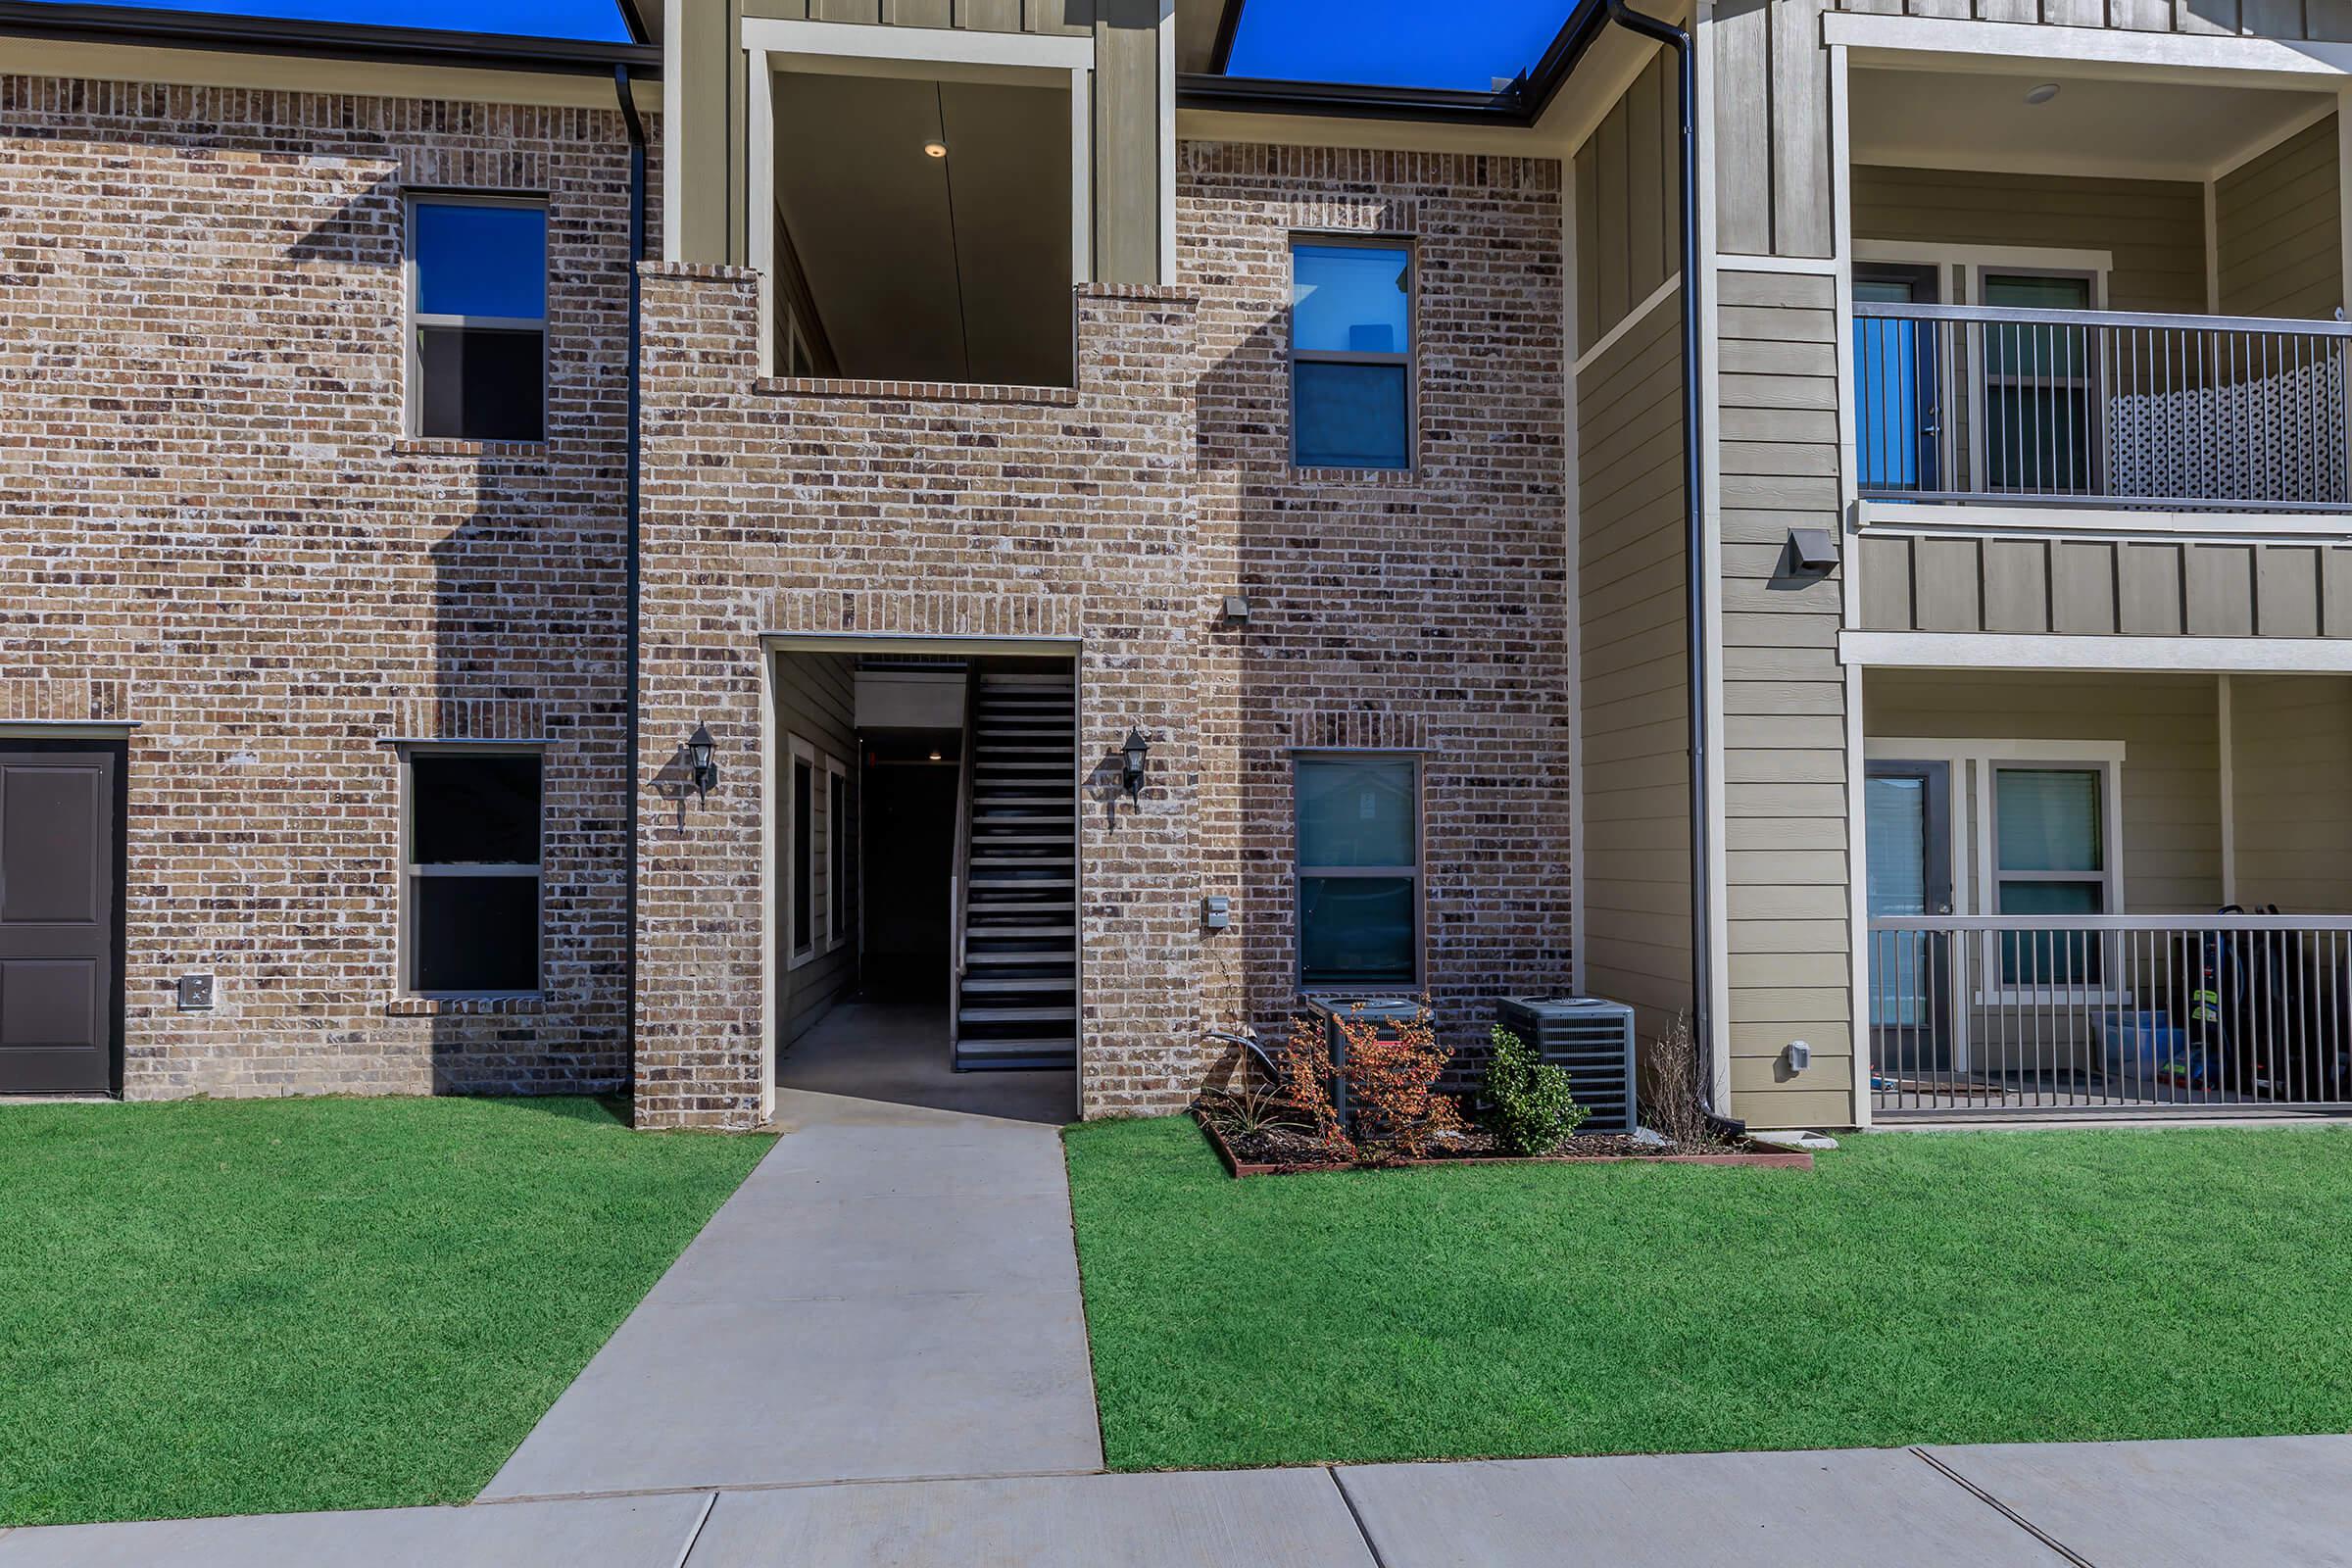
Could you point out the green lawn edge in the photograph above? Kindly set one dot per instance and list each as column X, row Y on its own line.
column 259, row 1307
column 1913, row 1288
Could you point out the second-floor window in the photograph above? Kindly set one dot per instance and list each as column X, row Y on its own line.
column 477, row 338
column 1352, row 354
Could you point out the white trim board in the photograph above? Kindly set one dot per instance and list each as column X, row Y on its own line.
column 1631, row 318
column 2204, row 656
column 2101, row 523
column 2013, row 46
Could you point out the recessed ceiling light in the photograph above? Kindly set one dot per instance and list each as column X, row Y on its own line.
column 2042, row 94
column 939, row 149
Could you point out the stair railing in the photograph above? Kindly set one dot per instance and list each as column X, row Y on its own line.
column 958, row 922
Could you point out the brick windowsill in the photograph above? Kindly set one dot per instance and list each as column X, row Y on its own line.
column 802, row 386
column 408, row 1006
column 504, row 452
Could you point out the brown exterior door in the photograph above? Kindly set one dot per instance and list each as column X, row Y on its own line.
column 59, row 898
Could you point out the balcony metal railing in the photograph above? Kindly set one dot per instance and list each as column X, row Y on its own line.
column 2028, row 407
column 2004, row 1015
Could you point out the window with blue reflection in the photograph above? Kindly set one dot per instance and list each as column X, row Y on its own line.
column 1351, row 329
column 477, row 362
column 473, row 259
column 1359, row 869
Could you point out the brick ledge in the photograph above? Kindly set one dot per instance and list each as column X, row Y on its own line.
column 804, row 386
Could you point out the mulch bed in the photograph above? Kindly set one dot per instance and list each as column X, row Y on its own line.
column 1280, row 1150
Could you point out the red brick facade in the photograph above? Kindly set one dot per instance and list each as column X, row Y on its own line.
column 210, row 524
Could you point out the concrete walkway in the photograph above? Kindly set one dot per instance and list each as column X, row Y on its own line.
column 2258, row 1502
column 893, row 1294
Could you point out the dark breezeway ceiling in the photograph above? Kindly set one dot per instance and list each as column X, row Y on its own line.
column 952, row 267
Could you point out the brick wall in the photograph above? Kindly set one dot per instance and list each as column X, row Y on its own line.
column 211, row 524
column 1424, row 611
column 797, row 508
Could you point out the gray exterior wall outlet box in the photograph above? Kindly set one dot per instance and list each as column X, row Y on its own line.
column 195, row 992
column 1799, row 1055
column 1217, row 912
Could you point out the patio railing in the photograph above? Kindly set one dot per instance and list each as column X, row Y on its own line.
column 2030, row 407
column 2009, row 1015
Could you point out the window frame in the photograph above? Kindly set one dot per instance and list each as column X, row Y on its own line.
column 1410, row 359
column 411, row 870
column 836, row 885
column 415, row 319
column 1416, row 873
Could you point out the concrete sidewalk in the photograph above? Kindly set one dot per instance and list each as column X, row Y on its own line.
column 892, row 1293
column 2247, row 1502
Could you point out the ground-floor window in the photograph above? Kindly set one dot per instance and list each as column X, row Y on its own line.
column 1359, row 868
column 818, row 848
column 472, row 838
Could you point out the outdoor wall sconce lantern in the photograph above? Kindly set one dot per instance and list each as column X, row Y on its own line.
column 1136, row 748
column 700, row 750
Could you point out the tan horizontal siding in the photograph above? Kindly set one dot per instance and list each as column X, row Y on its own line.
column 1783, row 744
column 2154, row 228
column 1632, row 676
column 2292, row 755
column 2275, row 236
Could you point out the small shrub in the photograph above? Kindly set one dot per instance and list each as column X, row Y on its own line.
column 1529, row 1106
column 1674, row 1100
column 1306, row 1075
column 1392, row 1087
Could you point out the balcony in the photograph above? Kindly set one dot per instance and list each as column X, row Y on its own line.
column 2123, row 411
column 2068, row 1016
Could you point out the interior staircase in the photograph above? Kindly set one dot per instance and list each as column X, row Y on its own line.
column 1016, row 989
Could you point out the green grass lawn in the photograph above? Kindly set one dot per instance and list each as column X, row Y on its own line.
column 240, row 1307
column 1954, row 1288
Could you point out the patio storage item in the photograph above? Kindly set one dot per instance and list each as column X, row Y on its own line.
column 1593, row 1039
column 2138, row 1044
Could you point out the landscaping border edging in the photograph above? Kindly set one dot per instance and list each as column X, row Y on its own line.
column 1774, row 1160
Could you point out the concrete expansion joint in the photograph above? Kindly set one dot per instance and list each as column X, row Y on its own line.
column 2002, row 1508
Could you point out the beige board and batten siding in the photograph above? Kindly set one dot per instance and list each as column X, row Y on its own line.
column 2153, row 229
column 1629, row 179
column 2170, row 729
column 2290, row 763
column 709, row 146
column 1633, row 676
column 2318, row 21
column 2278, row 243
column 1949, row 582
column 1782, row 747
column 1771, row 147
column 815, row 703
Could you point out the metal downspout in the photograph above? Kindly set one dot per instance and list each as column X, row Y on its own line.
column 632, row 554
column 1694, row 608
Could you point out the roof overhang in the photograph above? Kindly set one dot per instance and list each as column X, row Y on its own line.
column 140, row 27
column 1520, row 105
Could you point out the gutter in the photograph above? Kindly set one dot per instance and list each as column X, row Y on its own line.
column 143, row 26
column 1694, row 539
column 633, row 554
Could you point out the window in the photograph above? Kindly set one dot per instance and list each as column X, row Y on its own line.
column 2049, row 858
column 837, row 851
column 477, row 350
column 1352, row 342
column 2040, row 424
column 474, row 872
column 1359, row 869
column 804, row 850
column 818, row 850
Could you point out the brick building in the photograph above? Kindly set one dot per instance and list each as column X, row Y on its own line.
column 1054, row 538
